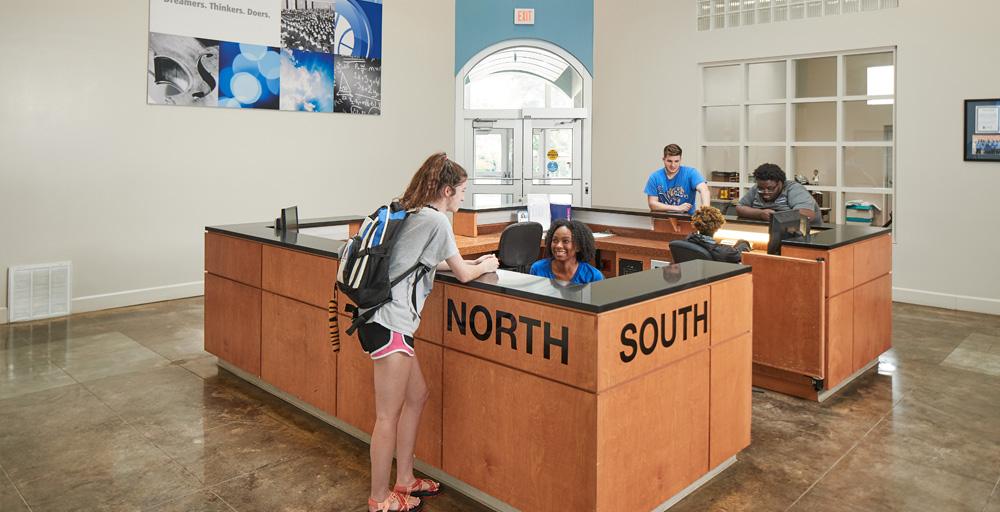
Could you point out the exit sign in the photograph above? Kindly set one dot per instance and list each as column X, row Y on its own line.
column 524, row 16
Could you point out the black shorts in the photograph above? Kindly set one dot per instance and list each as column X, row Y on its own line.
column 378, row 341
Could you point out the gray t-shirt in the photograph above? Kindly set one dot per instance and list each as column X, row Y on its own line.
column 793, row 196
column 425, row 237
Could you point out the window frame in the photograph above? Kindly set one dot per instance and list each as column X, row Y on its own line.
column 839, row 189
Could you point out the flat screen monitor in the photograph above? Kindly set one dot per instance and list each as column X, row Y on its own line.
column 784, row 226
column 290, row 218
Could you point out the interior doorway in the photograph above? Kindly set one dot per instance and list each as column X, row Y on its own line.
column 523, row 124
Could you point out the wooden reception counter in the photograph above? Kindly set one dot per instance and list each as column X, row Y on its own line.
column 620, row 395
column 822, row 309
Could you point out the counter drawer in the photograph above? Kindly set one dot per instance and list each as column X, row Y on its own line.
column 872, row 258
column 233, row 258
column 298, row 275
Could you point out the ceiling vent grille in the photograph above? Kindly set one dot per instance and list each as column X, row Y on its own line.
column 38, row 291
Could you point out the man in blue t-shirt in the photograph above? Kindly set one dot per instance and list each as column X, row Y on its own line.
column 672, row 187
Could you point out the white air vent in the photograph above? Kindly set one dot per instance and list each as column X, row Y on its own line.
column 38, row 291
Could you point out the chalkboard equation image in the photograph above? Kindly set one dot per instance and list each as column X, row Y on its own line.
column 358, row 85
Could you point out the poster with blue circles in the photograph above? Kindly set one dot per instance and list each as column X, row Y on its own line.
column 295, row 55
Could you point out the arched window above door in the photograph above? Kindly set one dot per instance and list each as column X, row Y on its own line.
column 523, row 77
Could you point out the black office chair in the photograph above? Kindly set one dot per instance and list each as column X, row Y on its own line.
column 682, row 251
column 519, row 246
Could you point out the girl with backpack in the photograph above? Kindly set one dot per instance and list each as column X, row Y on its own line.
column 425, row 238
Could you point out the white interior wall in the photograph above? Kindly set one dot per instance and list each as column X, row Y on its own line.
column 92, row 174
column 647, row 94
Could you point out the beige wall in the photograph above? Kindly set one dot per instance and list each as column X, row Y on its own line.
column 647, row 93
column 91, row 174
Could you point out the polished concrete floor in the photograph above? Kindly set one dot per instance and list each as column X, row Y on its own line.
column 122, row 410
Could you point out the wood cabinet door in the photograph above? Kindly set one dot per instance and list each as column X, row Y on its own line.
column 296, row 356
column 788, row 313
column 232, row 322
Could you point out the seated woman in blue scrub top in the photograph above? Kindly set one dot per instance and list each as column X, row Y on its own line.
column 571, row 246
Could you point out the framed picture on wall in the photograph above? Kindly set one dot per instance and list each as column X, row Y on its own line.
column 982, row 130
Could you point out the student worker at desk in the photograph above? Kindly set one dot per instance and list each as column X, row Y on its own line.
column 570, row 246
column 773, row 193
column 672, row 187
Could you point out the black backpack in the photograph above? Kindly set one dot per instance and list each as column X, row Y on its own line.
column 364, row 264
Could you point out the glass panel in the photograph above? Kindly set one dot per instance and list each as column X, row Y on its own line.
column 767, row 81
column 552, row 156
column 763, row 15
column 723, row 84
column 825, row 202
column 559, row 99
column 868, row 167
column 507, row 90
column 863, row 121
column 816, row 121
column 831, row 7
column 733, row 19
column 722, row 124
column 796, row 10
column 518, row 78
column 704, row 23
column 870, row 74
column 814, row 8
column 491, row 200
column 720, row 160
column 764, row 155
column 856, row 206
column 766, row 123
column 725, row 193
column 817, row 165
column 816, row 77
column 704, row 7
column 494, row 155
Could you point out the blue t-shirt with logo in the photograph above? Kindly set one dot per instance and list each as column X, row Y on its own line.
column 679, row 190
column 585, row 272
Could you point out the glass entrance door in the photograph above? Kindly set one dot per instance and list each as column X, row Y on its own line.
column 496, row 165
column 515, row 157
column 554, row 156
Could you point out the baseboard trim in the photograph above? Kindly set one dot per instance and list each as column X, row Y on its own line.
column 134, row 297
column 947, row 300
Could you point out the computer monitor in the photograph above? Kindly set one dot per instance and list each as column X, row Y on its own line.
column 290, row 218
column 784, row 225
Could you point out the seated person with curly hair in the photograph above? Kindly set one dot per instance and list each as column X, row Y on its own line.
column 707, row 220
column 773, row 193
column 570, row 246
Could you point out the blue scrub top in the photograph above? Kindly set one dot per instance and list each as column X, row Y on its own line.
column 585, row 272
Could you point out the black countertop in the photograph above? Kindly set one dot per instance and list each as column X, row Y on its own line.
column 594, row 297
column 608, row 294
column 837, row 235
column 264, row 232
column 644, row 212
column 823, row 236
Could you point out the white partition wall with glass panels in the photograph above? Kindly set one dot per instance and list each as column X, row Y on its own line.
column 827, row 120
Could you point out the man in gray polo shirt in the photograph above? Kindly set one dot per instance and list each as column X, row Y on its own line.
column 773, row 194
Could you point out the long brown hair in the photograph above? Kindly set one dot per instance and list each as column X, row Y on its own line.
column 427, row 184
